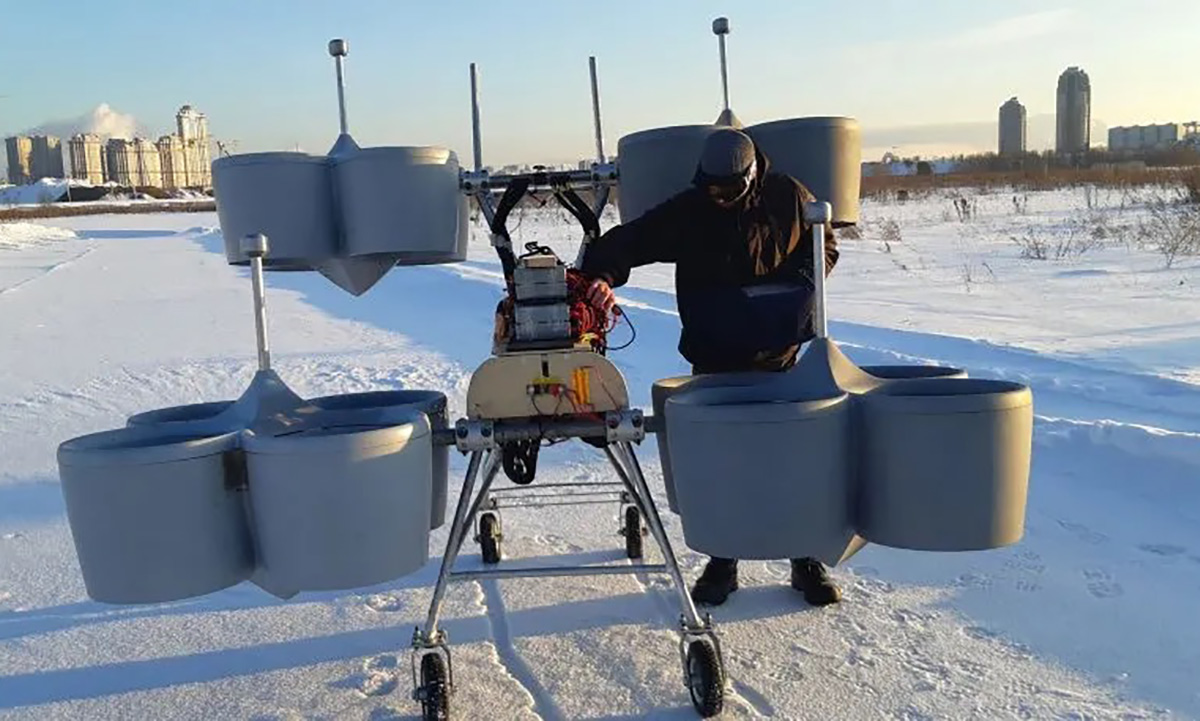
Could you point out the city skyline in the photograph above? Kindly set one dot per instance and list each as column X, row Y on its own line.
column 273, row 89
column 180, row 159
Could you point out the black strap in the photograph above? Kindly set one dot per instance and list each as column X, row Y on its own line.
column 576, row 206
column 499, row 225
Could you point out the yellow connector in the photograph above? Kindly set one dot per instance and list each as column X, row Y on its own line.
column 582, row 385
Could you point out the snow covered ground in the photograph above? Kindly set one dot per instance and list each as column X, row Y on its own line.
column 1091, row 616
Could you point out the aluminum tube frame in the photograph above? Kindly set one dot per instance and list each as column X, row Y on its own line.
column 506, row 431
column 596, row 109
column 540, row 504
column 724, row 71
column 458, row 531
column 820, row 317
column 627, row 467
column 558, row 571
column 260, row 312
column 540, row 180
column 341, row 92
column 514, row 489
column 476, row 135
column 580, row 494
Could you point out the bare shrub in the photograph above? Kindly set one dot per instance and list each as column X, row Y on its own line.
column 1021, row 204
column 1172, row 228
column 889, row 230
column 1072, row 239
column 1033, row 246
column 850, row 232
column 1191, row 185
column 966, row 208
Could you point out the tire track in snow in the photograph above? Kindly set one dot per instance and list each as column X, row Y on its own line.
column 743, row 691
column 492, row 602
column 47, row 271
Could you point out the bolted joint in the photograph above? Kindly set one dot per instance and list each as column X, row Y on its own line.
column 818, row 213
column 255, row 245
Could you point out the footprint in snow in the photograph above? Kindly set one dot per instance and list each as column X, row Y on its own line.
column 1162, row 549
column 973, row 580
column 379, row 684
column 911, row 713
column 1026, row 561
column 387, row 663
column 384, row 603
column 381, row 675
column 1083, row 533
column 1101, row 584
column 979, row 633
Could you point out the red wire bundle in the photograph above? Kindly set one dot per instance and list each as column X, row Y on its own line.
column 585, row 317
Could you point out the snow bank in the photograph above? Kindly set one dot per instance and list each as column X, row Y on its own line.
column 43, row 191
column 46, row 190
column 15, row 236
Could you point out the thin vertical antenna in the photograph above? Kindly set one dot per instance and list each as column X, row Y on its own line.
column 475, row 134
column 339, row 49
column 596, row 110
column 720, row 28
column 256, row 247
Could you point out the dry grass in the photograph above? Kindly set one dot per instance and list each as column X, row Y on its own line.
column 894, row 187
column 65, row 210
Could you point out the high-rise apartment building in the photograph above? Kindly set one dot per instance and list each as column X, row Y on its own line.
column 1012, row 127
column 1074, row 112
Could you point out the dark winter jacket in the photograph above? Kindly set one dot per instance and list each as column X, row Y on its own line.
column 717, row 253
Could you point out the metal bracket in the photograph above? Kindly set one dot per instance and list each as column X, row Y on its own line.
column 625, row 426
column 474, row 435
column 688, row 634
column 471, row 181
column 422, row 647
column 604, row 172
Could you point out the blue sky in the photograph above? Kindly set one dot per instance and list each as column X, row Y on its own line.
column 259, row 69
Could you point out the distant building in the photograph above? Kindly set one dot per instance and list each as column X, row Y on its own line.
column 47, row 157
column 19, row 150
column 192, row 126
column 1074, row 112
column 173, row 159
column 87, row 158
column 31, row 158
column 134, row 163
column 1145, row 137
column 1012, row 127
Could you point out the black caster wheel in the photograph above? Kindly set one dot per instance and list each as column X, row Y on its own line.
column 435, row 688
column 632, row 531
column 705, row 678
column 489, row 537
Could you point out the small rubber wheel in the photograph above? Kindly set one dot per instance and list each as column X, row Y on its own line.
column 633, row 532
column 706, row 679
column 489, row 537
column 435, row 706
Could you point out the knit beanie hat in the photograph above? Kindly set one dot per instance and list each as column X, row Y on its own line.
column 727, row 154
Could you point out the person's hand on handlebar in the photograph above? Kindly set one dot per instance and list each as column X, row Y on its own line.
column 600, row 294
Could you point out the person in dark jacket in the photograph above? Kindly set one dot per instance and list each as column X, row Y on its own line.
column 739, row 226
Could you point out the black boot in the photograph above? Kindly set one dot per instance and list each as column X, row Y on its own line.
column 810, row 578
column 717, row 582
